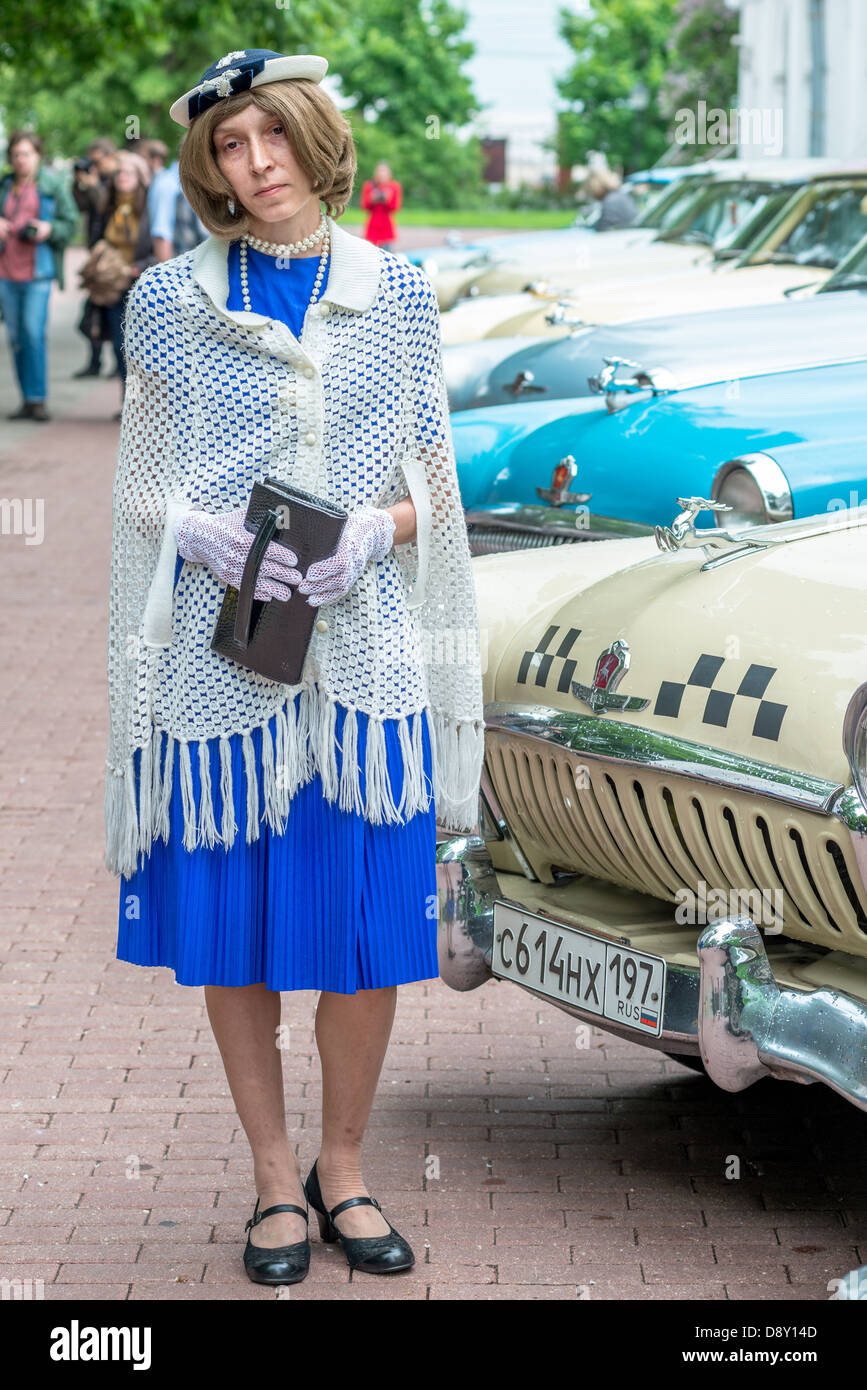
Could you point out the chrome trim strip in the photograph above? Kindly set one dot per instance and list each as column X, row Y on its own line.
column 581, row 524
column 728, row 1008
column 631, row 746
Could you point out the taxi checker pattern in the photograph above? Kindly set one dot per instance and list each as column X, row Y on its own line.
column 718, row 702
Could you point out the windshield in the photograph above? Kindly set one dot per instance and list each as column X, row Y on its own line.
column 835, row 221
column 733, row 242
column 662, row 206
column 716, row 212
column 851, row 273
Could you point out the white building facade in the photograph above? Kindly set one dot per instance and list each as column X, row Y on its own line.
column 807, row 61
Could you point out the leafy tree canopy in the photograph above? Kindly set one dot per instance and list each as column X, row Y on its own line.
column 113, row 67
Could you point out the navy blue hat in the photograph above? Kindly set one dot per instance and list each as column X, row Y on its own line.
column 238, row 72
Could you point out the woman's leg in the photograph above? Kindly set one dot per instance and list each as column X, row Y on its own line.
column 34, row 348
column 352, row 1033
column 112, row 320
column 245, row 1020
column 12, row 292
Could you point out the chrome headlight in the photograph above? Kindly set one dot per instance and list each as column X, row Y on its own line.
column 755, row 487
column 855, row 741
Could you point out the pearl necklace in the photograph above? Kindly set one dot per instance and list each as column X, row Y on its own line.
column 289, row 248
column 245, row 288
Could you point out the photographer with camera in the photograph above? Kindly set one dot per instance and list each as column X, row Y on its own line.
column 37, row 222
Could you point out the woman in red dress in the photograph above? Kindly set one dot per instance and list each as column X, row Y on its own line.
column 381, row 196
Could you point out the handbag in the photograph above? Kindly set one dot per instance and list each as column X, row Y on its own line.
column 271, row 636
column 104, row 274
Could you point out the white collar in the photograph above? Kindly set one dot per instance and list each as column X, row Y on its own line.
column 353, row 273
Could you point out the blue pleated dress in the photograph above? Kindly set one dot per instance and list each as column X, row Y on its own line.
column 334, row 902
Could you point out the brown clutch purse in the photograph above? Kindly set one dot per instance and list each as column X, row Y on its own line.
column 271, row 636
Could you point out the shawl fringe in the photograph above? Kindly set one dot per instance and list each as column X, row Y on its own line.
column 302, row 746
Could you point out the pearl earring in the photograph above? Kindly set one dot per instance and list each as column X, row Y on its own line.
column 231, row 206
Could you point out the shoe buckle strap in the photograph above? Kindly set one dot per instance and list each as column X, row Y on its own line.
column 270, row 1211
column 354, row 1202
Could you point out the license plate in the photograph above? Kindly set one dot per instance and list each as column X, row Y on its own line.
column 602, row 977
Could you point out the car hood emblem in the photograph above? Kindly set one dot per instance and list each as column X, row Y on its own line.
column 611, row 666
column 559, row 491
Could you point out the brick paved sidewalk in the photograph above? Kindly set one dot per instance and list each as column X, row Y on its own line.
column 517, row 1165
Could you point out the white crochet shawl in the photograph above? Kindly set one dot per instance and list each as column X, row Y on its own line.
column 355, row 411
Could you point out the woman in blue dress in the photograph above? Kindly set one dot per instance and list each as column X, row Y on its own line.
column 336, row 902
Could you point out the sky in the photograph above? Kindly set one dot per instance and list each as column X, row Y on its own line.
column 518, row 56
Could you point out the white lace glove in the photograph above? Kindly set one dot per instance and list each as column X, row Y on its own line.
column 367, row 535
column 220, row 541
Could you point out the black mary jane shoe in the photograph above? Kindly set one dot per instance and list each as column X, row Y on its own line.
column 370, row 1254
column 279, row 1264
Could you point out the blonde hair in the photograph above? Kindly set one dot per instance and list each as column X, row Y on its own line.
column 321, row 140
column 599, row 182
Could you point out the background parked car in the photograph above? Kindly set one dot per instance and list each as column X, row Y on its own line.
column 454, row 275
column 678, row 349
column 508, row 262
column 773, row 251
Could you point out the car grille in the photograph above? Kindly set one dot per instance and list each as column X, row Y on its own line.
column 658, row 832
column 490, row 540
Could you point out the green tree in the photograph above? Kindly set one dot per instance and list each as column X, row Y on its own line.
column 703, row 61
column 613, row 86
column 400, row 65
column 113, row 67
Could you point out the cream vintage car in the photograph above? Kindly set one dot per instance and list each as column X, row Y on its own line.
column 714, row 196
column 798, row 247
column 672, row 838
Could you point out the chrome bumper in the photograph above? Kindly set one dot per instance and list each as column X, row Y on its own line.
column 727, row 1009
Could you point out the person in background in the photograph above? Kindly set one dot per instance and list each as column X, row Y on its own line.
column 156, row 152
column 37, row 222
column 91, row 180
column 175, row 227
column 381, row 196
column 618, row 208
column 128, row 230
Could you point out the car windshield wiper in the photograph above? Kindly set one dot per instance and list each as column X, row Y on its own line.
column 846, row 282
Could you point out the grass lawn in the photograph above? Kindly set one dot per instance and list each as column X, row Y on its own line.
column 512, row 218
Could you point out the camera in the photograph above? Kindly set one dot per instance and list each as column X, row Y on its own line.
column 28, row 232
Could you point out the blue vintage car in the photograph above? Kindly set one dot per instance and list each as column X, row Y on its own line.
column 769, row 444
column 737, row 341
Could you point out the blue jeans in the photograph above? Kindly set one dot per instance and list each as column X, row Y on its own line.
column 25, row 309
